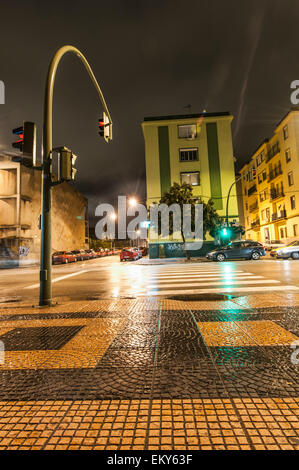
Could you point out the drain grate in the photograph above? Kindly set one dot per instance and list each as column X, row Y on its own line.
column 194, row 297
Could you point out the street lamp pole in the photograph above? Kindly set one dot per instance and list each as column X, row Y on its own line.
column 227, row 200
column 46, row 235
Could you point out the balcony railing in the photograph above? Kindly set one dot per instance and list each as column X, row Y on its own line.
column 274, row 173
column 272, row 152
column 253, row 207
column 252, row 190
column 279, row 215
column 255, row 223
column 274, row 194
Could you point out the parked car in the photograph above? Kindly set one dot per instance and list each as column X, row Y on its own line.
column 271, row 245
column 63, row 257
column 91, row 254
column 78, row 255
column 108, row 251
column 128, row 254
column 289, row 251
column 247, row 249
column 100, row 253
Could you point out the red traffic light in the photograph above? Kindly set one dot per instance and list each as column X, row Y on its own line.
column 101, row 127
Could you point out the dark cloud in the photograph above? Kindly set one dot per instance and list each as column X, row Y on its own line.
column 150, row 57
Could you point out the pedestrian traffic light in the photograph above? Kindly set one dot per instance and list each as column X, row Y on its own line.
column 26, row 142
column 67, row 159
column 105, row 127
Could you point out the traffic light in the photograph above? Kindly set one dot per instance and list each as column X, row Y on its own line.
column 67, row 159
column 26, row 142
column 225, row 232
column 105, row 127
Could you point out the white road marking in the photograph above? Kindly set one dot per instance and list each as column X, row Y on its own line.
column 34, row 286
column 185, row 281
column 220, row 290
column 232, row 282
column 170, row 276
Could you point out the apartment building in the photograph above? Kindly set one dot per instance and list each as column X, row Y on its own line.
column 20, row 209
column 195, row 149
column 270, row 185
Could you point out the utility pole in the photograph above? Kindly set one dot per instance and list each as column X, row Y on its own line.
column 46, row 232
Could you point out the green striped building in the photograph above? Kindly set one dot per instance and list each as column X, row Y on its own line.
column 193, row 148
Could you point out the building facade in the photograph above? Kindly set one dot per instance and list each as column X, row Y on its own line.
column 196, row 149
column 270, row 185
column 20, row 209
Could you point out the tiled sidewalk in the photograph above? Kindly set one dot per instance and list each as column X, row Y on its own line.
column 151, row 374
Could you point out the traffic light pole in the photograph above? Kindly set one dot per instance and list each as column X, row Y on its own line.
column 46, row 226
column 227, row 200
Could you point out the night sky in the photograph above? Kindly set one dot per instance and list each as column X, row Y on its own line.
column 151, row 57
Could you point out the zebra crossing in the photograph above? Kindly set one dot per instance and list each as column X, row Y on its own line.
column 206, row 279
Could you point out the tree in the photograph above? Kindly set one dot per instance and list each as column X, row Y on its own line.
column 183, row 194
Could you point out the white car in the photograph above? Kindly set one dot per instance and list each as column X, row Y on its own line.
column 290, row 251
column 273, row 244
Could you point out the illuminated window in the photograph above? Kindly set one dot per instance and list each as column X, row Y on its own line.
column 187, row 131
column 190, row 178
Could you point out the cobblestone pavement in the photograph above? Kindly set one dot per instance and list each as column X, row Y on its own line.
column 151, row 373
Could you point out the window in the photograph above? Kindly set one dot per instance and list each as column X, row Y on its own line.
column 293, row 202
column 260, row 178
column 190, row 178
column 188, row 155
column 260, row 158
column 285, row 132
column 263, row 214
column 288, row 155
column 263, row 195
column 264, row 175
column 283, row 232
column 295, row 230
column 268, row 213
column 187, row 131
column 246, row 205
column 290, row 178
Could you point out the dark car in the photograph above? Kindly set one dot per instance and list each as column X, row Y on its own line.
column 247, row 249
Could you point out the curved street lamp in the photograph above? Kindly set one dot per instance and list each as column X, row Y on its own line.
column 46, row 235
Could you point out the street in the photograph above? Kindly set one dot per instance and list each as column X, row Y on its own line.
column 107, row 278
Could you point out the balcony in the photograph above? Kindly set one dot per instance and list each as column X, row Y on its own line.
column 253, row 207
column 279, row 215
column 273, row 151
column 252, row 190
column 255, row 224
column 274, row 173
column 274, row 194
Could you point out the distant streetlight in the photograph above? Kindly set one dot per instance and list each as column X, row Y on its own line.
column 132, row 201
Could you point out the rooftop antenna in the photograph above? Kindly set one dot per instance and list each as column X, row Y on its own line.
column 188, row 106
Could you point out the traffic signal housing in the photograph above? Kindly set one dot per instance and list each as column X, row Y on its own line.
column 26, row 142
column 67, row 160
column 105, row 127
